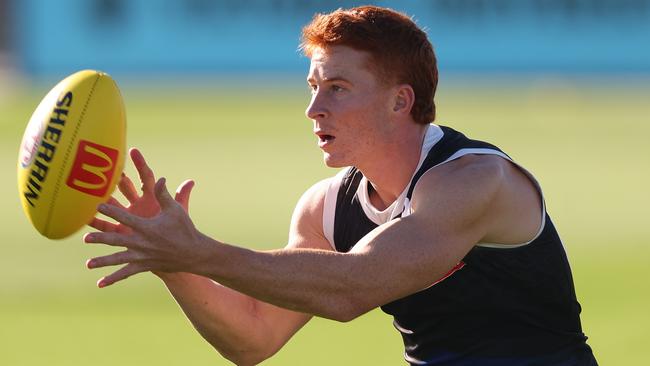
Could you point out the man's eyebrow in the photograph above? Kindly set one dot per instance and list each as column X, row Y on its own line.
column 335, row 79
column 330, row 79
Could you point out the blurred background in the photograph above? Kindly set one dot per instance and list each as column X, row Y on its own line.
column 215, row 91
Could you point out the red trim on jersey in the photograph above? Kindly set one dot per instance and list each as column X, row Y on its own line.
column 460, row 265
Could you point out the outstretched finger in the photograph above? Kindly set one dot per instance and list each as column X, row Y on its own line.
column 105, row 226
column 183, row 194
column 121, row 274
column 162, row 195
column 109, row 238
column 127, row 188
column 113, row 201
column 110, row 260
column 146, row 174
column 122, row 216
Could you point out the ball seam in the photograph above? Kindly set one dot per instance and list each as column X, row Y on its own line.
column 67, row 155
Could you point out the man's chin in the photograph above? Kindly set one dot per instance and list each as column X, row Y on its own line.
column 333, row 163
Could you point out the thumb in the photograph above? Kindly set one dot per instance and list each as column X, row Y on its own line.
column 183, row 193
column 162, row 195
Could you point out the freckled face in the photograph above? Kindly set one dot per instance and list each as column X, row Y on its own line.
column 349, row 106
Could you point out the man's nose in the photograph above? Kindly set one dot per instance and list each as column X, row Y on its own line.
column 316, row 108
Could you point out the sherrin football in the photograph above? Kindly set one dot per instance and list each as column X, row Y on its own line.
column 72, row 153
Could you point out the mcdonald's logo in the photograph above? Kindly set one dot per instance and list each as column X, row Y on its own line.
column 93, row 168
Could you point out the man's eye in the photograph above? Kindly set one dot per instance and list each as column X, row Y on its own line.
column 337, row 88
column 313, row 88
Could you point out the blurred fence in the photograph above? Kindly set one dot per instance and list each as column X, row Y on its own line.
column 198, row 36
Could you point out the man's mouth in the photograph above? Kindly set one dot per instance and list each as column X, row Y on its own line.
column 325, row 138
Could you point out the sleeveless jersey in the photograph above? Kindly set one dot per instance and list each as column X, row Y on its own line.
column 501, row 305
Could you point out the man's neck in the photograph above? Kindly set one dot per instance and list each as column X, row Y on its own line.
column 391, row 170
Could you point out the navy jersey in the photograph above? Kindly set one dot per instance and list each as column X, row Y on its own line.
column 501, row 305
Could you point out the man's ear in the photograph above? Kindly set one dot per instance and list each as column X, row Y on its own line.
column 404, row 99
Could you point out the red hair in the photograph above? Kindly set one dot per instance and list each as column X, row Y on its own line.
column 400, row 51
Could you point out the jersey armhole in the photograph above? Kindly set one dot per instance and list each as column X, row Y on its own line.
column 329, row 206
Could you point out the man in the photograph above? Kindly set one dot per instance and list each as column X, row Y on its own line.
column 445, row 233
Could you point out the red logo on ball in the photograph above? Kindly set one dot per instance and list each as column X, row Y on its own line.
column 93, row 168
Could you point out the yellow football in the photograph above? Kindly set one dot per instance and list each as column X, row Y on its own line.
column 72, row 153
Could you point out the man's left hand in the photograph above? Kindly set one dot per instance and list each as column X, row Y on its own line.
column 167, row 242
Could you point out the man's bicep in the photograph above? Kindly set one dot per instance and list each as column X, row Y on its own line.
column 448, row 219
column 458, row 198
column 404, row 256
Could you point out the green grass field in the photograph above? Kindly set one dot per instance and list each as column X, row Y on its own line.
column 252, row 154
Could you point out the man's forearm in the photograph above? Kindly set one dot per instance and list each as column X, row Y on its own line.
column 339, row 286
column 225, row 318
column 305, row 280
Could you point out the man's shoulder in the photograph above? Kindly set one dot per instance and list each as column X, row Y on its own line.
column 471, row 181
column 483, row 188
column 306, row 222
column 479, row 170
column 313, row 198
column 317, row 193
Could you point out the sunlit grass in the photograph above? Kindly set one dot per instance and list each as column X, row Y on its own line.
column 252, row 155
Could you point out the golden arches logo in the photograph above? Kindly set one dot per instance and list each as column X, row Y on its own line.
column 93, row 168
column 98, row 171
